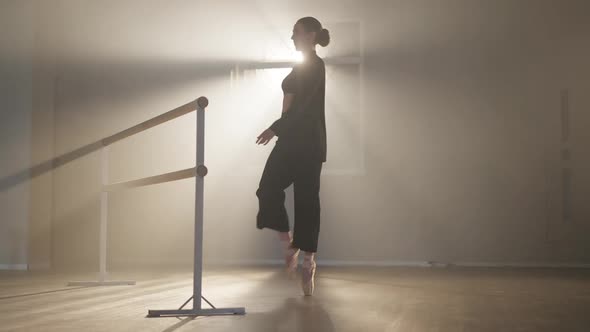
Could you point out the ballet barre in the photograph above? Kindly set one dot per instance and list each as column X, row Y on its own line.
column 198, row 173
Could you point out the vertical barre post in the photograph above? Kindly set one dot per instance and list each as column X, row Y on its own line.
column 200, row 172
column 102, row 236
column 104, row 165
column 199, row 191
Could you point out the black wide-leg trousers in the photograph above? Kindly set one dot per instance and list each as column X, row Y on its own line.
column 282, row 169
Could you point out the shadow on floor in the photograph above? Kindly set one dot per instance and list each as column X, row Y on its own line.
column 293, row 313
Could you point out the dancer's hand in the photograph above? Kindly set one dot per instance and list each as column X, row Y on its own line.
column 265, row 137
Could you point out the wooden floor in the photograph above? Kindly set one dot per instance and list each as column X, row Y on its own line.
column 346, row 299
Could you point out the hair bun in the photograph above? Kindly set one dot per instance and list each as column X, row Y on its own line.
column 323, row 37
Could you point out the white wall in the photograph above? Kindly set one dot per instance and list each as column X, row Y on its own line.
column 461, row 115
column 464, row 118
column 16, row 45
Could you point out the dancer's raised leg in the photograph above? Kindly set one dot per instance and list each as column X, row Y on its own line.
column 291, row 254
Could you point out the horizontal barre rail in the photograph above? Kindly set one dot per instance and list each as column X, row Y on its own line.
column 170, row 115
column 150, row 180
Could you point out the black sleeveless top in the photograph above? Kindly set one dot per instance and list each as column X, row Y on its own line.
column 302, row 128
column 288, row 84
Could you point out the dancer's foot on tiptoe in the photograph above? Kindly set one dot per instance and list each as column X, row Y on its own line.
column 308, row 274
column 290, row 253
column 291, row 260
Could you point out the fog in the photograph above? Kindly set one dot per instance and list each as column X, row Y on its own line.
column 457, row 130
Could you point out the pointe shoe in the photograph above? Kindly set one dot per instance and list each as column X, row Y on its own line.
column 291, row 260
column 307, row 278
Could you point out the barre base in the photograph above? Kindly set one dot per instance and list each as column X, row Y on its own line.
column 197, row 312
